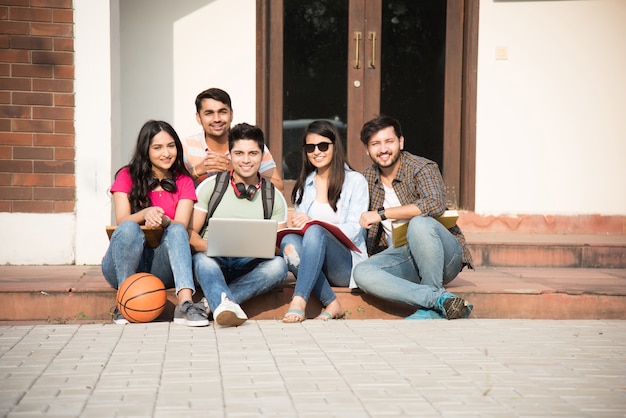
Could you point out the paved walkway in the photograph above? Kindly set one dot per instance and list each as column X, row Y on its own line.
column 368, row 368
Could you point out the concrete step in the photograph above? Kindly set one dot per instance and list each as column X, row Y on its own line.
column 502, row 249
column 67, row 294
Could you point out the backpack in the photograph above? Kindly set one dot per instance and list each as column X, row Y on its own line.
column 221, row 184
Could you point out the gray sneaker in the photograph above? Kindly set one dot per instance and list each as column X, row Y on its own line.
column 229, row 314
column 191, row 314
column 118, row 318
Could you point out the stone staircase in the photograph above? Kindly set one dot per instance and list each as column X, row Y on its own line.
column 526, row 267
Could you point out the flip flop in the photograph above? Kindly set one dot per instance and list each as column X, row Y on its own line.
column 325, row 316
column 297, row 313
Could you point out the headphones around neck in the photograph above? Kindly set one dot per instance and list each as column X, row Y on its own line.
column 168, row 185
column 243, row 192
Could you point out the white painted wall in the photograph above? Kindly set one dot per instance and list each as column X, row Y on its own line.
column 551, row 119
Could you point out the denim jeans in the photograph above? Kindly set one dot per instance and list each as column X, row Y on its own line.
column 415, row 273
column 319, row 261
column 170, row 261
column 239, row 277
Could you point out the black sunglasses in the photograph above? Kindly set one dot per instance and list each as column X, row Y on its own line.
column 322, row 146
column 168, row 185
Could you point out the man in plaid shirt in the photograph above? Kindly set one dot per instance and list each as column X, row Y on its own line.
column 406, row 188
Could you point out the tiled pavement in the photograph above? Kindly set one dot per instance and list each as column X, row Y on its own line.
column 366, row 368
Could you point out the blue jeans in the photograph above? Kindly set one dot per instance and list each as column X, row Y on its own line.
column 170, row 261
column 415, row 273
column 319, row 261
column 239, row 277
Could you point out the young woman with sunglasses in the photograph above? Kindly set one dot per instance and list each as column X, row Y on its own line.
column 156, row 191
column 327, row 189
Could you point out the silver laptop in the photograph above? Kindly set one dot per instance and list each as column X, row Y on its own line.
column 241, row 238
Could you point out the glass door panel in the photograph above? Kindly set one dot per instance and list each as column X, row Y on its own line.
column 314, row 71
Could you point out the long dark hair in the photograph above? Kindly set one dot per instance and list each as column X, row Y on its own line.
column 337, row 164
column 140, row 166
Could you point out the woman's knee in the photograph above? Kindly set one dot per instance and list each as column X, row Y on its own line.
column 291, row 256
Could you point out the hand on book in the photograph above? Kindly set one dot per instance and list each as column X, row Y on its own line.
column 298, row 219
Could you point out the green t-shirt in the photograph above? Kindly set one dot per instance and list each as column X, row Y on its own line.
column 233, row 207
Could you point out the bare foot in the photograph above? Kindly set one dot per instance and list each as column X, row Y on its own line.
column 296, row 311
column 333, row 311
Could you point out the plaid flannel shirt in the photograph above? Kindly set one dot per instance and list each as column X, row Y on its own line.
column 417, row 181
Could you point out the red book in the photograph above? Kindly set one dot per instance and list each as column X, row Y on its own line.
column 333, row 229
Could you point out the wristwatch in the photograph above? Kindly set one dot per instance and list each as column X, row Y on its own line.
column 381, row 212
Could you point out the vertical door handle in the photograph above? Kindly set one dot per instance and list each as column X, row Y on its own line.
column 357, row 39
column 372, row 37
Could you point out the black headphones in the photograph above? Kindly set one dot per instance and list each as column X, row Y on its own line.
column 243, row 192
column 168, row 185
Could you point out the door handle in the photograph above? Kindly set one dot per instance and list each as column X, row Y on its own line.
column 357, row 39
column 372, row 37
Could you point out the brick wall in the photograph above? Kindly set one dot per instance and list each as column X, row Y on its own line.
column 37, row 106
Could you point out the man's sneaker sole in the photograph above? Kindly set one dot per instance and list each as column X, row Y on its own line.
column 183, row 321
column 229, row 319
column 456, row 308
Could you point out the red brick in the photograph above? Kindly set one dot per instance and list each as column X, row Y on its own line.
column 64, row 153
column 51, row 29
column 30, row 14
column 54, row 4
column 31, row 42
column 5, row 69
column 53, row 139
column 30, row 125
column 33, row 180
column 5, row 206
column 64, row 44
column 5, row 97
column 63, row 99
column 42, row 84
column 63, row 16
column 5, row 179
column 30, row 70
column 14, row 112
column 12, row 138
column 16, row 2
column 16, row 193
column 65, row 180
column 63, row 127
column 16, row 166
column 66, row 167
column 57, row 113
column 33, row 153
column 5, row 125
column 6, row 153
column 31, row 206
column 14, row 28
column 4, row 13
column 54, row 193
column 5, row 41
column 43, row 99
column 53, row 58
column 15, row 84
column 65, row 206
column 64, row 71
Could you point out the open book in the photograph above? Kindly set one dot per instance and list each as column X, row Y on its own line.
column 153, row 236
column 398, row 231
column 333, row 229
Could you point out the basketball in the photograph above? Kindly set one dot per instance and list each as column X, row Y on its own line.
column 141, row 297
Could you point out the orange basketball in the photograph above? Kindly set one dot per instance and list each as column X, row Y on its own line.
column 141, row 297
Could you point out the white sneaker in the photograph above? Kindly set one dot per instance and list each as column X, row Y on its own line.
column 229, row 314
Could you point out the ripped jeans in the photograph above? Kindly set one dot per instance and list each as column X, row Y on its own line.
column 318, row 260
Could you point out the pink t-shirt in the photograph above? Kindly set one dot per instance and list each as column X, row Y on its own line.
column 165, row 200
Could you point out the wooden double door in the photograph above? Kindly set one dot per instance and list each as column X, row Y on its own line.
column 350, row 60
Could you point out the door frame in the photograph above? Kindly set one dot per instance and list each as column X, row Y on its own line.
column 459, row 134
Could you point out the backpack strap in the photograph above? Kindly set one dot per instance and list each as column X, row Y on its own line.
column 267, row 194
column 221, row 184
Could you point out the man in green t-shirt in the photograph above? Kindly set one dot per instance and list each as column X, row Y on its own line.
column 230, row 281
